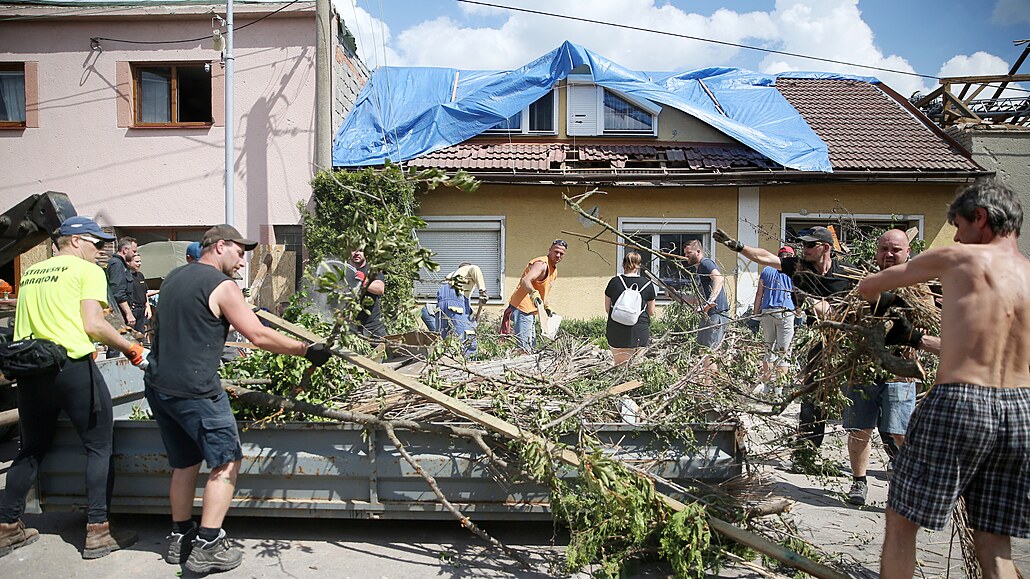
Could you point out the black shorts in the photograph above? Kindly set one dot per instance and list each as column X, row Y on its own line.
column 195, row 429
column 971, row 441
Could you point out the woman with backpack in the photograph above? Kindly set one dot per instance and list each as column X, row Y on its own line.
column 629, row 302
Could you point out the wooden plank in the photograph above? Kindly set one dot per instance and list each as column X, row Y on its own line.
column 742, row 536
column 990, row 78
column 929, row 97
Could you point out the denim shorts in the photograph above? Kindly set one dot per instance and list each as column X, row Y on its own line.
column 195, row 429
column 888, row 405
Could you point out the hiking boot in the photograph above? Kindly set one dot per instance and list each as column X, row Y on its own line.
column 213, row 556
column 180, row 545
column 14, row 536
column 100, row 541
column 856, row 496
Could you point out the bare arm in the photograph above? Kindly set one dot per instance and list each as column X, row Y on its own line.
column 761, row 256
column 650, row 309
column 931, row 344
column 608, row 305
column 536, row 272
column 927, row 266
column 376, row 288
column 98, row 328
column 758, row 297
column 227, row 301
column 718, row 281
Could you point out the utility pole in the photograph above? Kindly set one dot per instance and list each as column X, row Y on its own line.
column 323, row 83
column 230, row 119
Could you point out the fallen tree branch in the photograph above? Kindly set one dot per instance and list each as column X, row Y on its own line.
column 464, row 520
column 461, row 408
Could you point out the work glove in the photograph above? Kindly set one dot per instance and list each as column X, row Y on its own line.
column 721, row 237
column 886, row 301
column 360, row 276
column 482, row 300
column 903, row 334
column 318, row 354
column 135, row 354
column 548, row 310
column 537, row 300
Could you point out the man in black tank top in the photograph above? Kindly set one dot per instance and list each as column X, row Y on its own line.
column 199, row 301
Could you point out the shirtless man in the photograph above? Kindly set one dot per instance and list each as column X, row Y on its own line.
column 970, row 436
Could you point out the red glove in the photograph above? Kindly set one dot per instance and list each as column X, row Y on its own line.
column 135, row 354
column 360, row 276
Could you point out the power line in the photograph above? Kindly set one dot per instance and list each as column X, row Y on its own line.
column 698, row 38
column 96, row 39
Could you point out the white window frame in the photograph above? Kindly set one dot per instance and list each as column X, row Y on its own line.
column 471, row 222
column 822, row 219
column 524, row 121
column 599, row 91
column 655, row 226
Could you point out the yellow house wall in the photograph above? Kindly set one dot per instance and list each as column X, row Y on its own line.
column 911, row 200
column 536, row 215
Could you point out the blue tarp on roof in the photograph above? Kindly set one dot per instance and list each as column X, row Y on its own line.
column 403, row 113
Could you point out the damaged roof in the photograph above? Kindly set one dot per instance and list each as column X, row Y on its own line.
column 782, row 126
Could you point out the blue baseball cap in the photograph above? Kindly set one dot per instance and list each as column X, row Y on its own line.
column 193, row 251
column 82, row 225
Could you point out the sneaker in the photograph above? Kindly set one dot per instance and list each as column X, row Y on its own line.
column 101, row 541
column 213, row 556
column 859, row 489
column 180, row 545
column 15, row 536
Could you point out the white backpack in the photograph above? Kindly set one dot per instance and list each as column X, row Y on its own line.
column 627, row 307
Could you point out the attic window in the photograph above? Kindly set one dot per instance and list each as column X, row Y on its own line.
column 536, row 119
column 595, row 110
column 622, row 116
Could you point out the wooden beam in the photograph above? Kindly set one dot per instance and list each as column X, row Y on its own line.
column 927, row 99
column 742, row 536
column 977, row 79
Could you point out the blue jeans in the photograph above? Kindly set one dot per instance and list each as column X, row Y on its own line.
column 713, row 330
column 524, row 326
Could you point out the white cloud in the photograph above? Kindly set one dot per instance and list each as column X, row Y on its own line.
column 522, row 37
column 373, row 35
column 835, row 30
column 832, row 29
column 1011, row 12
column 979, row 64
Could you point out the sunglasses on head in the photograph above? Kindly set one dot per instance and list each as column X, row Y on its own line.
column 560, row 242
column 99, row 244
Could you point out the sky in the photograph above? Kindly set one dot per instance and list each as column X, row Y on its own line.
column 929, row 37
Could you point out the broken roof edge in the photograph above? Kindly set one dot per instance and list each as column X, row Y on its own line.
column 449, row 106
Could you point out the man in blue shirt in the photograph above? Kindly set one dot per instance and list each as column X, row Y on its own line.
column 709, row 284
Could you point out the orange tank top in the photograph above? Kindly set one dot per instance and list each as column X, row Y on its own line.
column 521, row 300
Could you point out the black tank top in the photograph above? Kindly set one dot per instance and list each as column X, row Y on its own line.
column 189, row 340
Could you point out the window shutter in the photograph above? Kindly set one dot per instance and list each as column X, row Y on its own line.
column 582, row 110
column 455, row 242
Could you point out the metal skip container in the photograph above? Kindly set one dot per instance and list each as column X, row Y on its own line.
column 320, row 469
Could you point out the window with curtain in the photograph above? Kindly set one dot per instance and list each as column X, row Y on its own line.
column 12, row 94
column 621, row 116
column 172, row 94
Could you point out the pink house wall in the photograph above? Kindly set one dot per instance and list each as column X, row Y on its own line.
column 135, row 177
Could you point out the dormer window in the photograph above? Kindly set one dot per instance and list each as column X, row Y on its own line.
column 622, row 116
column 536, row 119
column 594, row 110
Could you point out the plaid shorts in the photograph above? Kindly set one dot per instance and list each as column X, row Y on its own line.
column 971, row 441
